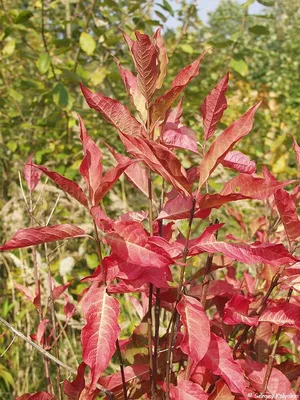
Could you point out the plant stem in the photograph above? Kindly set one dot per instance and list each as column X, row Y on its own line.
column 272, row 355
column 49, row 355
column 122, row 370
column 175, row 316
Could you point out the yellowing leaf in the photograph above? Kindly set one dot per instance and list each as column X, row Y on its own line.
column 239, row 65
column 280, row 165
column 87, row 43
column 9, row 48
column 98, row 76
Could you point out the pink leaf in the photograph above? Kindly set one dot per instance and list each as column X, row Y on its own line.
column 34, row 298
column 221, row 392
column 214, row 106
column 164, row 102
column 162, row 57
column 179, row 207
column 253, row 187
column 33, row 236
column 160, row 159
column 224, row 143
column 283, row 314
column 68, row 186
column 31, row 175
column 100, row 332
column 103, row 222
column 91, row 165
column 220, row 362
column 288, row 214
column 180, row 137
column 58, row 291
column 114, row 112
column 267, row 253
column 196, row 338
column 41, row 331
column 187, row 390
column 278, row 382
column 145, row 58
column 296, row 148
column 239, row 162
column 236, row 312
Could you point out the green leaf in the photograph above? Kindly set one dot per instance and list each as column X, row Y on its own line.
column 98, row 76
column 9, row 48
column 12, row 145
column 24, row 16
column 259, row 30
column 43, row 63
column 239, row 65
column 87, row 43
column 187, row 48
column 92, row 260
column 15, row 95
column 60, row 96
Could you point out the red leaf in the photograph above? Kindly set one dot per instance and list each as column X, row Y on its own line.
column 220, row 362
column 103, row 222
column 58, row 291
column 162, row 57
column 253, row 187
column 35, row 299
column 278, row 382
column 179, row 207
column 196, row 337
column 164, row 102
column 33, row 236
column 31, row 175
column 133, row 249
column 296, row 148
column 41, row 331
column 288, row 214
column 214, row 106
column 187, row 390
column 145, row 58
column 66, row 185
column 131, row 86
column 217, row 200
column 36, row 396
column 114, row 112
column 160, row 159
column 74, row 389
column 224, row 143
column 236, row 312
column 100, row 332
column 91, row 165
column 283, row 314
column 267, row 253
column 180, row 137
column 239, row 162
column 114, row 381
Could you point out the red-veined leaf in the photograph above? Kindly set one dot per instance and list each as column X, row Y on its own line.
column 160, row 159
column 296, row 148
column 114, row 381
column 145, row 57
column 267, row 253
column 236, row 312
column 253, row 187
column 220, row 362
column 36, row 396
column 283, row 314
column 180, row 137
column 114, row 112
column 100, row 332
column 288, row 214
column 278, row 382
column 162, row 57
column 214, row 106
column 239, row 162
column 33, row 236
column 196, row 328
column 224, row 143
column 164, row 102
column 67, row 185
column 31, row 174
column 187, row 390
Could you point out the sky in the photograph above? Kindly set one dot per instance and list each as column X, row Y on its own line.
column 206, row 6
